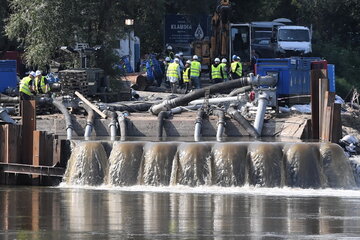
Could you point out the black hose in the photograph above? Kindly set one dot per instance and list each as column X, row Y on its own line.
column 162, row 115
column 139, row 107
column 198, row 93
column 243, row 122
column 7, row 99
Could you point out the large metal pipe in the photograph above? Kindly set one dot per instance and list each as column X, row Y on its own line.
column 122, row 125
column 113, row 122
column 4, row 115
column 162, row 115
column 59, row 105
column 134, row 107
column 218, row 100
column 220, row 124
column 89, row 120
column 243, row 122
column 184, row 100
column 263, row 100
column 198, row 124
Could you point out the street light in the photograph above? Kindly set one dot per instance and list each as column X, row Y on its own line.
column 129, row 22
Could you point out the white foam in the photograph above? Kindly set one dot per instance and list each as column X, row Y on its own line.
column 245, row 190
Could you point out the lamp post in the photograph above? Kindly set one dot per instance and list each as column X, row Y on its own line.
column 129, row 22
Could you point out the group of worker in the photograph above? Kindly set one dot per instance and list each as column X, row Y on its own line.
column 189, row 73
column 33, row 84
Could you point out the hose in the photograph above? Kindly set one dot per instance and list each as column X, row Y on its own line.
column 185, row 99
column 220, row 124
column 113, row 121
column 7, row 99
column 198, row 124
column 122, row 125
column 162, row 115
column 239, row 90
column 4, row 115
column 139, row 107
column 89, row 120
column 59, row 105
column 243, row 122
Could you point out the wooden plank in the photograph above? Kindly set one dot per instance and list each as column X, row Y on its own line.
column 336, row 125
column 90, row 104
column 28, row 118
column 323, row 88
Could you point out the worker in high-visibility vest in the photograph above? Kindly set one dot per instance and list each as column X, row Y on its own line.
column 26, row 88
column 195, row 70
column 186, row 76
column 41, row 83
column 224, row 70
column 215, row 71
column 236, row 68
column 173, row 74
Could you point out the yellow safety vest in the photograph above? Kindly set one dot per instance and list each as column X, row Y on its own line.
column 25, row 86
column 42, row 85
column 195, row 69
column 172, row 70
column 215, row 71
column 235, row 69
column 223, row 68
column 186, row 75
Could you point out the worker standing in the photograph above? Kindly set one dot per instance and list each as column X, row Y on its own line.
column 26, row 86
column 224, row 70
column 215, row 71
column 195, row 70
column 186, row 76
column 236, row 68
column 173, row 74
column 169, row 52
column 41, row 83
column 166, row 65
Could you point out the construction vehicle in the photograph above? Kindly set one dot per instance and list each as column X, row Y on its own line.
column 253, row 39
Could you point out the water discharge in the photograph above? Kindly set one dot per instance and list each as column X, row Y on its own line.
column 304, row 165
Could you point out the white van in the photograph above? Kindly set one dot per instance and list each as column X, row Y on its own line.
column 291, row 41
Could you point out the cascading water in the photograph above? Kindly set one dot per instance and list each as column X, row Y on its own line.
column 305, row 165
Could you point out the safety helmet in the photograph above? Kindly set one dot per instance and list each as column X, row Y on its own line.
column 234, row 57
column 38, row 73
column 217, row 60
column 188, row 62
column 32, row 73
column 238, row 58
column 177, row 55
column 195, row 57
column 224, row 60
column 176, row 60
column 181, row 53
column 169, row 47
column 167, row 59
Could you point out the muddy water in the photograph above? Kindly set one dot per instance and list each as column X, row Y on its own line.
column 178, row 213
column 310, row 165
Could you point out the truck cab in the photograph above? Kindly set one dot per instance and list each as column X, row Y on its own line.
column 290, row 41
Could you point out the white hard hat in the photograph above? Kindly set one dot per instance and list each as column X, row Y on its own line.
column 181, row 53
column 217, row 60
column 37, row 73
column 177, row 55
column 32, row 73
column 176, row 60
column 224, row 60
column 188, row 62
column 167, row 59
column 169, row 47
column 195, row 57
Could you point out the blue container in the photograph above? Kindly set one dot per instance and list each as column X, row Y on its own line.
column 293, row 74
column 331, row 77
column 8, row 78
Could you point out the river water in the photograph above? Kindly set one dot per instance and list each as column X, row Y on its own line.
column 178, row 212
